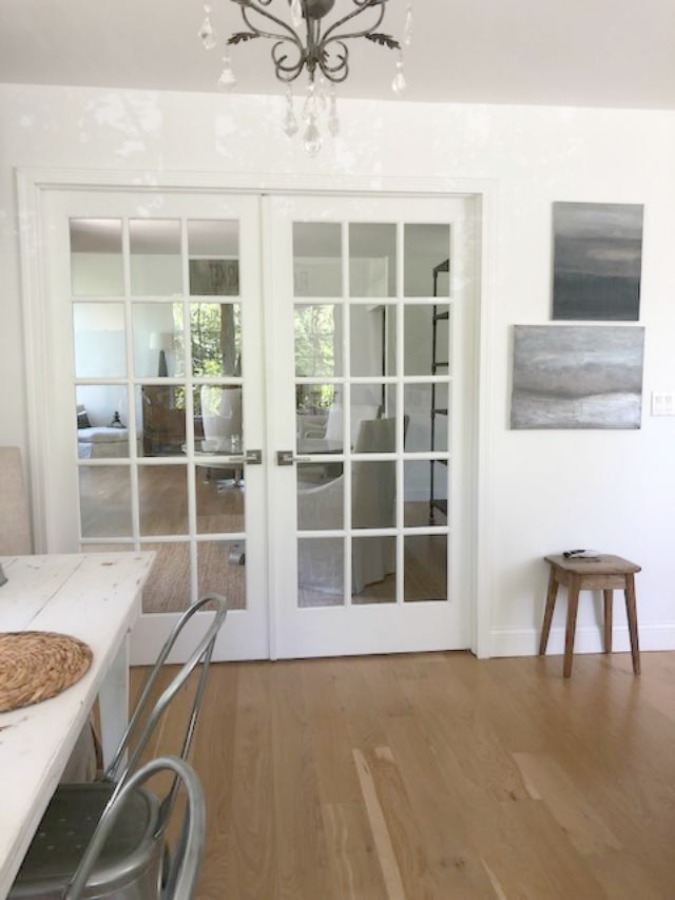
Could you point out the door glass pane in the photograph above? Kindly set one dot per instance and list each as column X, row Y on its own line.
column 426, row 567
column 318, row 341
column 99, row 340
column 220, row 499
column 105, row 501
column 102, row 425
column 426, row 431
column 213, row 248
column 425, row 248
column 221, row 567
column 372, row 332
column 373, row 570
column 372, row 260
column 317, row 259
column 426, row 493
column 96, row 264
column 320, row 497
column 155, row 261
column 418, row 354
column 219, row 422
column 168, row 587
column 367, row 403
column 312, row 405
column 320, row 572
column 162, row 414
column 162, row 499
column 374, row 494
column 215, row 335
column 155, row 347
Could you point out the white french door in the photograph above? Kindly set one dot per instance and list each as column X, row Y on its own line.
column 274, row 394
column 369, row 396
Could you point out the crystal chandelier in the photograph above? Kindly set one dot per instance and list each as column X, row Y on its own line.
column 304, row 42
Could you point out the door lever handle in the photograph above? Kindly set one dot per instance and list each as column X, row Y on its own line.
column 251, row 458
column 288, row 458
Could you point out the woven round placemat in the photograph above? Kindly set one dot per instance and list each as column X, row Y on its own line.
column 37, row 665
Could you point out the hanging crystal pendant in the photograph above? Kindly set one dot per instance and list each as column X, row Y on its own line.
column 398, row 85
column 207, row 34
column 296, row 13
column 227, row 78
column 290, row 121
column 333, row 119
column 408, row 26
column 313, row 140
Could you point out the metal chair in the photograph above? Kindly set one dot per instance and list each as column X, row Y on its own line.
column 76, row 808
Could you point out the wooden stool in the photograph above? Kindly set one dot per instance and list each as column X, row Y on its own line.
column 603, row 573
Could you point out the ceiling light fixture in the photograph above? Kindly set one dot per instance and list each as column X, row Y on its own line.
column 303, row 42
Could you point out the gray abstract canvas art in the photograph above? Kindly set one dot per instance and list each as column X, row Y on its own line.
column 577, row 376
column 597, row 261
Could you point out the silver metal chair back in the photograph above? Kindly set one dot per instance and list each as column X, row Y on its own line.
column 182, row 877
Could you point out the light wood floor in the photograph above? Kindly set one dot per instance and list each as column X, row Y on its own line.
column 438, row 776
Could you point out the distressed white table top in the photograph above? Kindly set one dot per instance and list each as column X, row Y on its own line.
column 95, row 597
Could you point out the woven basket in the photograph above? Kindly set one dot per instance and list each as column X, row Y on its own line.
column 37, row 665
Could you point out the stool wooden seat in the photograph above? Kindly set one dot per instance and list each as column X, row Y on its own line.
column 603, row 573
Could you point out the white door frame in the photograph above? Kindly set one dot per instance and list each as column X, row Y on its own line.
column 33, row 184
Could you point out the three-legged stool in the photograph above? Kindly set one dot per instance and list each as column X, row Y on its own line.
column 604, row 573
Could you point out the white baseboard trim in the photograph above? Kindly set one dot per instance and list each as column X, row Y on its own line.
column 525, row 641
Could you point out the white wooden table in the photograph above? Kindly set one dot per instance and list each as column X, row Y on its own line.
column 94, row 597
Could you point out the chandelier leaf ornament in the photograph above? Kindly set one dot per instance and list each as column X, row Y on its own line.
column 307, row 41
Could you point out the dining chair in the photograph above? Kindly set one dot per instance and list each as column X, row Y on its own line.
column 127, row 854
column 75, row 804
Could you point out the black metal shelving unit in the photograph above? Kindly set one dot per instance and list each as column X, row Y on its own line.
column 437, row 365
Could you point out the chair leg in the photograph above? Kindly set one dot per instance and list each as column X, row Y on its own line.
column 631, row 614
column 572, row 606
column 608, row 597
column 548, row 613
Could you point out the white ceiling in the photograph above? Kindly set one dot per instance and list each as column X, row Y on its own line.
column 616, row 53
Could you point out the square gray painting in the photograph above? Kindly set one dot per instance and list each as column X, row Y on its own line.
column 577, row 376
column 597, row 261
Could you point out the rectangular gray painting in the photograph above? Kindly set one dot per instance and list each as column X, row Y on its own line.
column 577, row 376
column 597, row 261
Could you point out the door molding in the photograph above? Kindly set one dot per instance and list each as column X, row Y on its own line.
column 34, row 183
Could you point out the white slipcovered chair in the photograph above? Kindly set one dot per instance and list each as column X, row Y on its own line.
column 320, row 508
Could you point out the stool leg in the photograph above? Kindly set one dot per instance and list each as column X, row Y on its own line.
column 631, row 613
column 608, row 597
column 548, row 613
column 572, row 606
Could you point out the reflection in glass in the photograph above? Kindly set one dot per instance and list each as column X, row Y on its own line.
column 219, row 412
column 320, row 497
column 428, row 427
column 320, row 572
column 105, row 501
column 221, row 568
column 213, row 248
column 372, row 346
column 162, row 499
column 372, row 260
column 374, row 494
column 425, row 247
column 168, row 587
column 220, row 504
column 373, row 570
column 426, row 493
column 155, row 346
column 102, row 425
column 96, row 266
column 418, row 357
column 317, row 259
column 318, row 341
column 215, row 333
column 99, row 340
column 155, row 260
column 312, row 405
column 162, row 414
column 426, row 567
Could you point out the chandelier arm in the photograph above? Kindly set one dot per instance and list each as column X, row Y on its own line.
column 338, row 72
column 330, row 35
column 249, row 6
column 287, row 72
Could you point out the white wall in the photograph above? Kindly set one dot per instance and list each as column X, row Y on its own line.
column 548, row 489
